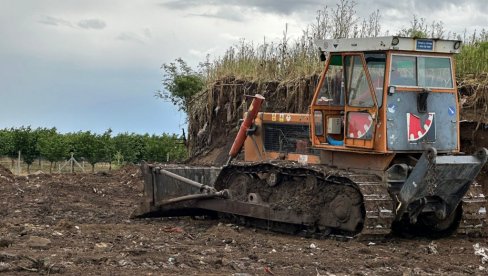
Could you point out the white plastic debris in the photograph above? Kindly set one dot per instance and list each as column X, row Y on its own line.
column 481, row 251
column 371, row 243
column 432, row 248
column 171, row 260
column 482, row 210
column 313, row 246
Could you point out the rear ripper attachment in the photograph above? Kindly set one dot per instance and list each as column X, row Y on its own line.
column 439, row 195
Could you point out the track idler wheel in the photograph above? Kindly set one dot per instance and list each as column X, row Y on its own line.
column 238, row 185
column 344, row 212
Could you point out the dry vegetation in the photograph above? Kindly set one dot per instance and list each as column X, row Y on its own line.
column 474, row 98
column 288, row 59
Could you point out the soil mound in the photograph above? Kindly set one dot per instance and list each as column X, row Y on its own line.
column 5, row 175
column 474, row 98
column 214, row 113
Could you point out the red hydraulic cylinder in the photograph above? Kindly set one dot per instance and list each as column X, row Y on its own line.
column 250, row 116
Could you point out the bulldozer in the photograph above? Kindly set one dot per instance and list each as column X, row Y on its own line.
column 378, row 152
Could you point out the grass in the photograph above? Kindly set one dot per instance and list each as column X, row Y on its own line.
column 287, row 60
column 473, row 59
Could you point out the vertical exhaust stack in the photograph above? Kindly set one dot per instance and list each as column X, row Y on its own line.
column 246, row 124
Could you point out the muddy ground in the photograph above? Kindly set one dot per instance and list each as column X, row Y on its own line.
column 78, row 224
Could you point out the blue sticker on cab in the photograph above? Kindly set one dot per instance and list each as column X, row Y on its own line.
column 451, row 111
column 392, row 108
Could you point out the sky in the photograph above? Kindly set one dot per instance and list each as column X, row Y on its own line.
column 96, row 64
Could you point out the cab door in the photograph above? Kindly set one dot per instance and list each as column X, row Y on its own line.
column 361, row 108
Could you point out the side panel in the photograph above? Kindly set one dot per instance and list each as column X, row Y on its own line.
column 281, row 136
column 410, row 130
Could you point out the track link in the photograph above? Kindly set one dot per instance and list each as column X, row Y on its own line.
column 378, row 205
column 474, row 217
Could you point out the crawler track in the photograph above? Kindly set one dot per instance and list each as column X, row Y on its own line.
column 473, row 221
column 298, row 194
column 304, row 189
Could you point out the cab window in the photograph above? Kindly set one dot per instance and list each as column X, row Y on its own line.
column 332, row 90
column 403, row 71
column 421, row 71
column 376, row 66
column 357, row 86
column 434, row 72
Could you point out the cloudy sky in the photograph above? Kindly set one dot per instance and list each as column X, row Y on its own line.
column 95, row 64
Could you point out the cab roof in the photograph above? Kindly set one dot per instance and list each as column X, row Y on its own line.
column 430, row 45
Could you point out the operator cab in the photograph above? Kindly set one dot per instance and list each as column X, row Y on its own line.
column 374, row 95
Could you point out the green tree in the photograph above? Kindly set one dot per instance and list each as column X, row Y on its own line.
column 52, row 146
column 164, row 148
column 90, row 146
column 180, row 83
column 25, row 141
column 156, row 148
column 108, row 147
column 176, row 149
column 131, row 147
column 6, row 143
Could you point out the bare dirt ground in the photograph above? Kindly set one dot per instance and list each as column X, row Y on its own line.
column 78, row 224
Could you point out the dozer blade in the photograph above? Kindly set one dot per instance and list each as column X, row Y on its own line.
column 171, row 191
column 447, row 178
column 162, row 191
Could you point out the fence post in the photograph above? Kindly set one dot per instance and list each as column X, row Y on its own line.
column 18, row 164
column 72, row 163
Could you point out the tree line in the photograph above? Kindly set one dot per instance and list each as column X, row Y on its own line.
column 49, row 144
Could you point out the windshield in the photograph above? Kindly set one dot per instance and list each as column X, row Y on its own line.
column 421, row 71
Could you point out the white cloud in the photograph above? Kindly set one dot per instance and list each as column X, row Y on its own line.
column 96, row 24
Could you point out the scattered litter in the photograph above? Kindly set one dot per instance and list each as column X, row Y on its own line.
column 4, row 267
column 171, row 260
column 481, row 251
column 371, row 243
column 432, row 249
column 173, row 229
column 101, row 245
column 313, row 246
column 268, row 270
column 482, row 210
